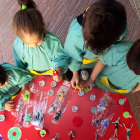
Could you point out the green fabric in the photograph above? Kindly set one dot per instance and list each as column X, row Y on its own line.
column 75, row 47
column 116, row 70
column 128, row 134
column 49, row 54
column 18, row 133
column 24, row 7
column 17, row 78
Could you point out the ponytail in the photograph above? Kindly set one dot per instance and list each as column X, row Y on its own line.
column 28, row 3
column 28, row 20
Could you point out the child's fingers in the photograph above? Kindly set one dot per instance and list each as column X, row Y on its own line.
column 73, row 84
column 10, row 109
column 77, row 82
column 11, row 105
column 90, row 87
column 9, row 102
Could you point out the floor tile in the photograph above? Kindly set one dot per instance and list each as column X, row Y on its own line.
column 136, row 6
column 136, row 113
column 76, row 6
column 1, row 55
column 7, row 38
column 59, row 25
column 138, row 95
column 133, row 100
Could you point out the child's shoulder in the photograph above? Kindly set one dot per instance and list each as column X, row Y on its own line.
column 18, row 41
column 8, row 66
column 13, row 70
column 75, row 26
column 51, row 36
column 120, row 48
column 123, row 45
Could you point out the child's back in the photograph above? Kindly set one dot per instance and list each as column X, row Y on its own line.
column 16, row 78
column 93, row 32
column 116, row 76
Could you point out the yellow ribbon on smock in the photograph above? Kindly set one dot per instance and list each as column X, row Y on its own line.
column 13, row 97
column 88, row 61
column 34, row 73
column 105, row 82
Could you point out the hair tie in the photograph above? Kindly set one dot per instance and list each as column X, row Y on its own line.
column 87, row 10
column 24, row 7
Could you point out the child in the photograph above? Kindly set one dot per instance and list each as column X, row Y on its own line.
column 36, row 49
column 91, row 33
column 11, row 81
column 121, row 68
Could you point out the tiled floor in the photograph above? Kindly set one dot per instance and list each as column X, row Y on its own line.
column 136, row 6
column 58, row 14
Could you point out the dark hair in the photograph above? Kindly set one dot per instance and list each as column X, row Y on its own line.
column 133, row 58
column 103, row 24
column 3, row 75
column 29, row 20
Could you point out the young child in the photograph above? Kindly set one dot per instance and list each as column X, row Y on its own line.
column 91, row 33
column 36, row 49
column 121, row 68
column 12, row 79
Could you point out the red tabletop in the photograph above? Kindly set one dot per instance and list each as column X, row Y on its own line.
column 87, row 130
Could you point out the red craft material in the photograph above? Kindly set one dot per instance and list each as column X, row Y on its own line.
column 14, row 134
column 45, row 135
column 70, row 137
column 77, row 121
column 55, row 72
column 85, row 132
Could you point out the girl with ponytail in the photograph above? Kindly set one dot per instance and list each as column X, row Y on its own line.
column 36, row 49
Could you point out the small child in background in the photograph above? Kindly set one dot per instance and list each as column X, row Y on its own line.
column 120, row 68
column 93, row 32
column 12, row 79
column 36, row 49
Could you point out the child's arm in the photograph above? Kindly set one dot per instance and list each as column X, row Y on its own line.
column 5, row 102
column 58, row 77
column 25, row 90
column 97, row 69
column 18, row 55
column 75, row 79
column 9, row 106
column 137, row 88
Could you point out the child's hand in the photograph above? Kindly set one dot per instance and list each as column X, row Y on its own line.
column 88, row 83
column 9, row 106
column 75, row 79
column 58, row 77
column 25, row 90
column 136, row 89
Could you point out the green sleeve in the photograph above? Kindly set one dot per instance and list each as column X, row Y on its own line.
column 3, row 99
column 124, row 34
column 60, row 58
column 116, row 55
column 74, row 45
column 24, row 78
column 74, row 65
column 18, row 54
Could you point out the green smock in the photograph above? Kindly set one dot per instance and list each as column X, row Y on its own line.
column 17, row 78
column 40, row 59
column 116, row 70
column 75, row 47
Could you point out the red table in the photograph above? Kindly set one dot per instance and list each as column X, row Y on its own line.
column 86, row 131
